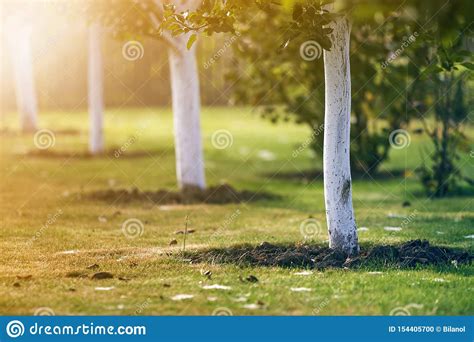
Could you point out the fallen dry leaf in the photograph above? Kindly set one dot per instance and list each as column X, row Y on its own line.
column 252, row 279
column 76, row 274
column 102, row 275
column 93, row 267
column 190, row 231
column 24, row 277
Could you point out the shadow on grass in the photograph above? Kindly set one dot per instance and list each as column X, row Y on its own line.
column 461, row 191
column 115, row 153
column 11, row 133
column 412, row 254
column 310, row 175
column 220, row 194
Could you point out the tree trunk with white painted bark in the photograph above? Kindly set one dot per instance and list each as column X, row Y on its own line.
column 337, row 173
column 19, row 41
column 186, row 113
column 96, row 101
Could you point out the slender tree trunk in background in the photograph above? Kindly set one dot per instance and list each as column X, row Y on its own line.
column 337, row 172
column 19, row 40
column 186, row 113
column 96, row 101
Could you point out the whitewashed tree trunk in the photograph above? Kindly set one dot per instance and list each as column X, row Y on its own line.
column 337, row 172
column 19, row 46
column 96, row 101
column 186, row 113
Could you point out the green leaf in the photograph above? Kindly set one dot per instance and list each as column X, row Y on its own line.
column 468, row 65
column 191, row 41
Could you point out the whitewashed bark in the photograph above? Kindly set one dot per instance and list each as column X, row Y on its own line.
column 95, row 88
column 186, row 114
column 19, row 46
column 337, row 174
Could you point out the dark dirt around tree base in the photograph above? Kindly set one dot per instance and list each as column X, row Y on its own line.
column 220, row 194
column 410, row 254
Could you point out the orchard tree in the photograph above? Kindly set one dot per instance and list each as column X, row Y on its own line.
column 330, row 28
column 129, row 18
column 186, row 107
column 18, row 35
column 441, row 99
column 332, row 31
column 336, row 154
column 95, row 88
column 286, row 83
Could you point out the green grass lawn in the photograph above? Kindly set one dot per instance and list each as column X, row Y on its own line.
column 42, row 218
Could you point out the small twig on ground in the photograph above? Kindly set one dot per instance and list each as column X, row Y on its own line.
column 185, row 234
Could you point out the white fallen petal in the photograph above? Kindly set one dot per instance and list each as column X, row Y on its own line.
column 216, row 287
column 392, row 229
column 469, row 237
column 300, row 289
column 211, row 299
column 304, row 273
column 109, row 288
column 182, row 297
column 266, row 155
column 239, row 299
column 69, row 252
column 440, row 233
column 251, row 306
column 392, row 215
column 165, row 207
column 363, row 229
column 374, row 273
column 439, row 280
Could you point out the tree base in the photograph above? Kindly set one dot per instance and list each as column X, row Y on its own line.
column 221, row 194
column 411, row 254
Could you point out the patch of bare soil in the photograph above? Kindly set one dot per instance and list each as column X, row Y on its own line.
column 220, row 194
column 410, row 254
